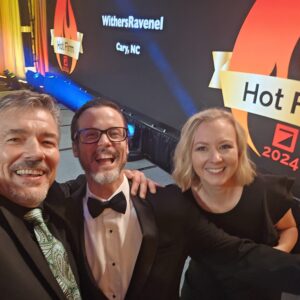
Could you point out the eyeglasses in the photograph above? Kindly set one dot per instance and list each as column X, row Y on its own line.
column 93, row 135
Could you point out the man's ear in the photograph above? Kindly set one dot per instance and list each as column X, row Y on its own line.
column 127, row 146
column 75, row 149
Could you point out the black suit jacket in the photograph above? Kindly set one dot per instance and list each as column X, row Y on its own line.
column 24, row 272
column 174, row 228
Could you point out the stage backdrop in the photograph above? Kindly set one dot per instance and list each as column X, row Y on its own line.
column 169, row 59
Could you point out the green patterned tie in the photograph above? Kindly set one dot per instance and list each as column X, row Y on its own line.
column 55, row 255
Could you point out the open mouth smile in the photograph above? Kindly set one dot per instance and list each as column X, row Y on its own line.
column 30, row 172
column 215, row 170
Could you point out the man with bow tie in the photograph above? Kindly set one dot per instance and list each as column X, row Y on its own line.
column 130, row 248
column 36, row 261
column 99, row 134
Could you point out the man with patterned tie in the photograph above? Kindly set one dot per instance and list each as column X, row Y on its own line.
column 36, row 261
column 134, row 249
column 32, row 265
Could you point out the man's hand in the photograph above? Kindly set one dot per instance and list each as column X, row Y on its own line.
column 140, row 183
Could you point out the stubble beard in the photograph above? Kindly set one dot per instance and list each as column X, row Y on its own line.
column 28, row 194
column 28, row 198
column 106, row 177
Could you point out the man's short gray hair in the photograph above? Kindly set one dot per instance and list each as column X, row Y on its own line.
column 25, row 99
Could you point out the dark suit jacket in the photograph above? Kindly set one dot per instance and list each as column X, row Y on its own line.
column 173, row 228
column 24, row 272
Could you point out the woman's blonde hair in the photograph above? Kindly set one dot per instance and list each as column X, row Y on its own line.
column 184, row 174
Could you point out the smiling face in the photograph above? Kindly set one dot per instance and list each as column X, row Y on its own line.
column 215, row 154
column 102, row 161
column 29, row 155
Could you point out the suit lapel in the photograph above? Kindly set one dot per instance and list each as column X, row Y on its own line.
column 74, row 214
column 148, row 248
column 24, row 237
column 76, row 217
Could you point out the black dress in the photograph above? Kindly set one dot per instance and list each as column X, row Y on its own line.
column 263, row 203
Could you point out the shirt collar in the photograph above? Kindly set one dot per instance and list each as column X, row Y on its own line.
column 124, row 187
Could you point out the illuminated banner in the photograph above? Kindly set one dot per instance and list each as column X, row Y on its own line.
column 65, row 39
column 268, row 96
column 264, row 46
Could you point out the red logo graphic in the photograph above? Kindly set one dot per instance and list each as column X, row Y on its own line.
column 285, row 137
column 65, row 27
column 265, row 43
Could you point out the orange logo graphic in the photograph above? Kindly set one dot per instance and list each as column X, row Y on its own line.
column 67, row 42
column 285, row 137
column 265, row 44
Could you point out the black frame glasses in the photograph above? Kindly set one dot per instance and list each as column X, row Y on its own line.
column 93, row 135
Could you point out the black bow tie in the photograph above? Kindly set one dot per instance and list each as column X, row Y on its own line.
column 117, row 203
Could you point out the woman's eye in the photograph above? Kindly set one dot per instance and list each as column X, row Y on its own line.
column 201, row 148
column 225, row 146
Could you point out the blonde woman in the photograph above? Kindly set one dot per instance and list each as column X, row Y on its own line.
column 211, row 164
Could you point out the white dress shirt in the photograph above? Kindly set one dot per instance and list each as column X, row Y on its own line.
column 112, row 242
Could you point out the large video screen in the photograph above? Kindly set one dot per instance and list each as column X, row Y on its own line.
column 170, row 59
column 153, row 56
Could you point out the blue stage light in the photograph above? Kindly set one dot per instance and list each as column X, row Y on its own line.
column 60, row 87
column 131, row 129
column 66, row 91
column 36, row 80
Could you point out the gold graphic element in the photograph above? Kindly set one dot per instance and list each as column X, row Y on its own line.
column 271, row 97
column 67, row 46
column 268, row 96
column 221, row 63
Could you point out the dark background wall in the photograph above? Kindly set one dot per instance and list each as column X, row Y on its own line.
column 168, row 81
